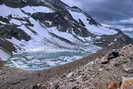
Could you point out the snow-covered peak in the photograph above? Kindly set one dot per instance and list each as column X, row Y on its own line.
column 38, row 32
column 97, row 30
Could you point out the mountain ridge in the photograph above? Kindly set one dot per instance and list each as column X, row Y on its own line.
column 47, row 24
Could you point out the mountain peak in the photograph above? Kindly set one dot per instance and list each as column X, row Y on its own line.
column 57, row 28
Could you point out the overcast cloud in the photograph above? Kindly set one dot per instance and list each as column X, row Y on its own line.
column 106, row 10
column 109, row 9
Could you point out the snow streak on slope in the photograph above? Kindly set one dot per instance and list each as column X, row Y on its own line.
column 98, row 30
column 43, row 50
column 49, row 46
column 72, row 3
column 33, row 9
column 3, row 55
column 16, row 12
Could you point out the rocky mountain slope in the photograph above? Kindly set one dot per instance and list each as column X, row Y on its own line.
column 106, row 69
column 34, row 30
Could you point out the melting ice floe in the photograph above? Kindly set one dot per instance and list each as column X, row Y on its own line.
column 35, row 59
column 44, row 50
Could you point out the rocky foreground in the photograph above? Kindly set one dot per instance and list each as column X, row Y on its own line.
column 50, row 27
column 107, row 69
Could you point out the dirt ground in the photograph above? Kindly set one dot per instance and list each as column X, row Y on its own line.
column 96, row 71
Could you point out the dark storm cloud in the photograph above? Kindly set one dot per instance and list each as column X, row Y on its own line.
column 104, row 10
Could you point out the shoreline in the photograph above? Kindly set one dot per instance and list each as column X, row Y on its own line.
column 18, row 79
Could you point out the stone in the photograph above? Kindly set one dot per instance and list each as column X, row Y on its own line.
column 57, row 86
column 1, row 63
column 10, row 30
column 4, row 19
column 109, row 56
column 39, row 86
column 70, row 74
column 113, row 54
column 128, row 67
column 7, row 46
column 113, row 85
column 104, row 60
column 75, row 87
column 127, row 83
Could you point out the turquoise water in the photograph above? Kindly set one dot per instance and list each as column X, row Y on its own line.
column 51, row 55
column 42, row 60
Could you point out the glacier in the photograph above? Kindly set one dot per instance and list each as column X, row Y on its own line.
column 55, row 34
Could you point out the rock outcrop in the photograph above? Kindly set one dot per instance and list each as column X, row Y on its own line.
column 85, row 74
column 55, row 20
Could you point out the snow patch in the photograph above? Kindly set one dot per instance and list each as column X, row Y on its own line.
column 97, row 30
column 45, row 50
column 15, row 12
column 72, row 2
column 3, row 55
column 35, row 9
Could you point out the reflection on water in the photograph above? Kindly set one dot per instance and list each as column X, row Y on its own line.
column 43, row 60
column 39, row 58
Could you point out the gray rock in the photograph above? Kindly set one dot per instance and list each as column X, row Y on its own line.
column 39, row 86
column 128, row 67
column 11, row 30
column 104, row 60
column 113, row 54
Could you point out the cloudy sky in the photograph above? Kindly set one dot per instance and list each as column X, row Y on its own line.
column 106, row 10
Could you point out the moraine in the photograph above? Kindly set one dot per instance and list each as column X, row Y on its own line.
column 45, row 33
